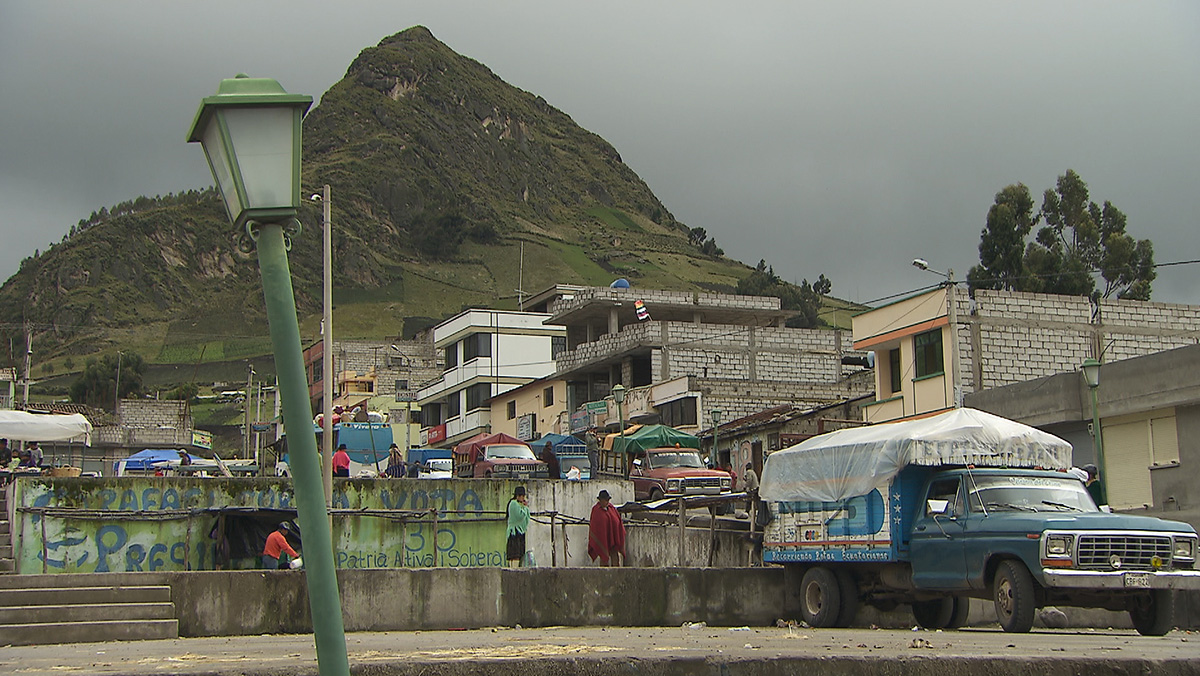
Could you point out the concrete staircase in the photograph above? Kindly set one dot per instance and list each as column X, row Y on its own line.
column 6, row 545
column 45, row 609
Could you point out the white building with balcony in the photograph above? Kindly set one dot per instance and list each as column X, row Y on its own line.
column 485, row 353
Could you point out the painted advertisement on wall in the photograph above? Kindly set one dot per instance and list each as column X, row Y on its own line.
column 76, row 525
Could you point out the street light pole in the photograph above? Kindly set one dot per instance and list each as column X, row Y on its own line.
column 246, row 409
column 327, row 349
column 618, row 395
column 251, row 136
column 1091, row 376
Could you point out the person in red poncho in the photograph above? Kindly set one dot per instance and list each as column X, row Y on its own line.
column 606, row 532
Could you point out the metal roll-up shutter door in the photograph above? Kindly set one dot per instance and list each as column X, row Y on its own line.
column 1126, row 459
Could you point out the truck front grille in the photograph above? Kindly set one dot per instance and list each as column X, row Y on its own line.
column 700, row 483
column 1132, row 551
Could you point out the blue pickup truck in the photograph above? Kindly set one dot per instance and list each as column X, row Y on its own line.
column 962, row 505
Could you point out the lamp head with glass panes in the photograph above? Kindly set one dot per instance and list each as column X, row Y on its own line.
column 251, row 135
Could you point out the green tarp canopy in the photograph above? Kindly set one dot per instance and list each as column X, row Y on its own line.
column 654, row 436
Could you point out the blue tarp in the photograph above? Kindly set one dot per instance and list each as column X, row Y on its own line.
column 424, row 455
column 363, row 437
column 561, row 444
column 144, row 460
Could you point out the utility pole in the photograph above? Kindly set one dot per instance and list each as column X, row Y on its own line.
column 246, row 408
column 952, row 317
column 28, row 356
column 117, row 390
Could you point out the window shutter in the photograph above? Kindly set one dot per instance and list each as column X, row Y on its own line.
column 1164, row 440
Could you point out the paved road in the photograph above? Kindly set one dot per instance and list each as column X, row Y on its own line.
column 676, row 650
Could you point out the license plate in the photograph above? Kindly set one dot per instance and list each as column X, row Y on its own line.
column 1139, row 580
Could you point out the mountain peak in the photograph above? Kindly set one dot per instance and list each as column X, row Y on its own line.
column 450, row 189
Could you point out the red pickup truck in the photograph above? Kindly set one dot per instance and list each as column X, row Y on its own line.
column 670, row 472
column 499, row 456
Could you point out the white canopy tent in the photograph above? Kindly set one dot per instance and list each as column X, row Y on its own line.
column 23, row 426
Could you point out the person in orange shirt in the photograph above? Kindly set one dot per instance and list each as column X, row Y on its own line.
column 276, row 545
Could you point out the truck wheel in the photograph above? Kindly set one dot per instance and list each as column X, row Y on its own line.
column 848, row 595
column 656, row 494
column 820, row 598
column 1012, row 591
column 962, row 608
column 935, row 614
column 1154, row 613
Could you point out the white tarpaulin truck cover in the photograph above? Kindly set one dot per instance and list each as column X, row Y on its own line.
column 851, row 462
column 23, row 426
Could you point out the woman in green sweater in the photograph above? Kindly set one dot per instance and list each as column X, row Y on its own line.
column 518, row 523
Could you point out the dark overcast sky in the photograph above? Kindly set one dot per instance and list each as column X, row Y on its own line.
column 843, row 138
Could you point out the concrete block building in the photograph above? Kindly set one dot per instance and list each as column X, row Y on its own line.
column 682, row 355
column 924, row 361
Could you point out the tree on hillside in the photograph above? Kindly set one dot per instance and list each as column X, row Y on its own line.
column 1079, row 239
column 804, row 299
column 97, row 384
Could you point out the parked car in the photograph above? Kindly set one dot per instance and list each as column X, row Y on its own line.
column 437, row 468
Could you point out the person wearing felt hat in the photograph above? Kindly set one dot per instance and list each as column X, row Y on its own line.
column 341, row 461
column 518, row 523
column 606, row 532
column 276, row 546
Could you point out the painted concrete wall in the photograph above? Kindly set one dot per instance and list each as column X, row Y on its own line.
column 164, row 523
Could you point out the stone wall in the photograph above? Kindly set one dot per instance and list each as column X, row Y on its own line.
column 416, row 362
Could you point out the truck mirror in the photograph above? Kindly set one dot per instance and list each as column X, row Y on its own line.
column 637, row 462
column 935, row 507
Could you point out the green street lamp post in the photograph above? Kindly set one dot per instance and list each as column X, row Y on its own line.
column 250, row 131
column 716, row 420
column 1091, row 376
column 618, row 395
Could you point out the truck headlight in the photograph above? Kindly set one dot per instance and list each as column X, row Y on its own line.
column 1059, row 545
column 673, row 485
column 1185, row 548
column 726, row 483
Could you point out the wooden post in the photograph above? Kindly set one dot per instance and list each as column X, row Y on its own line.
column 712, row 534
column 753, row 519
column 682, row 529
column 436, row 555
column 553, row 543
